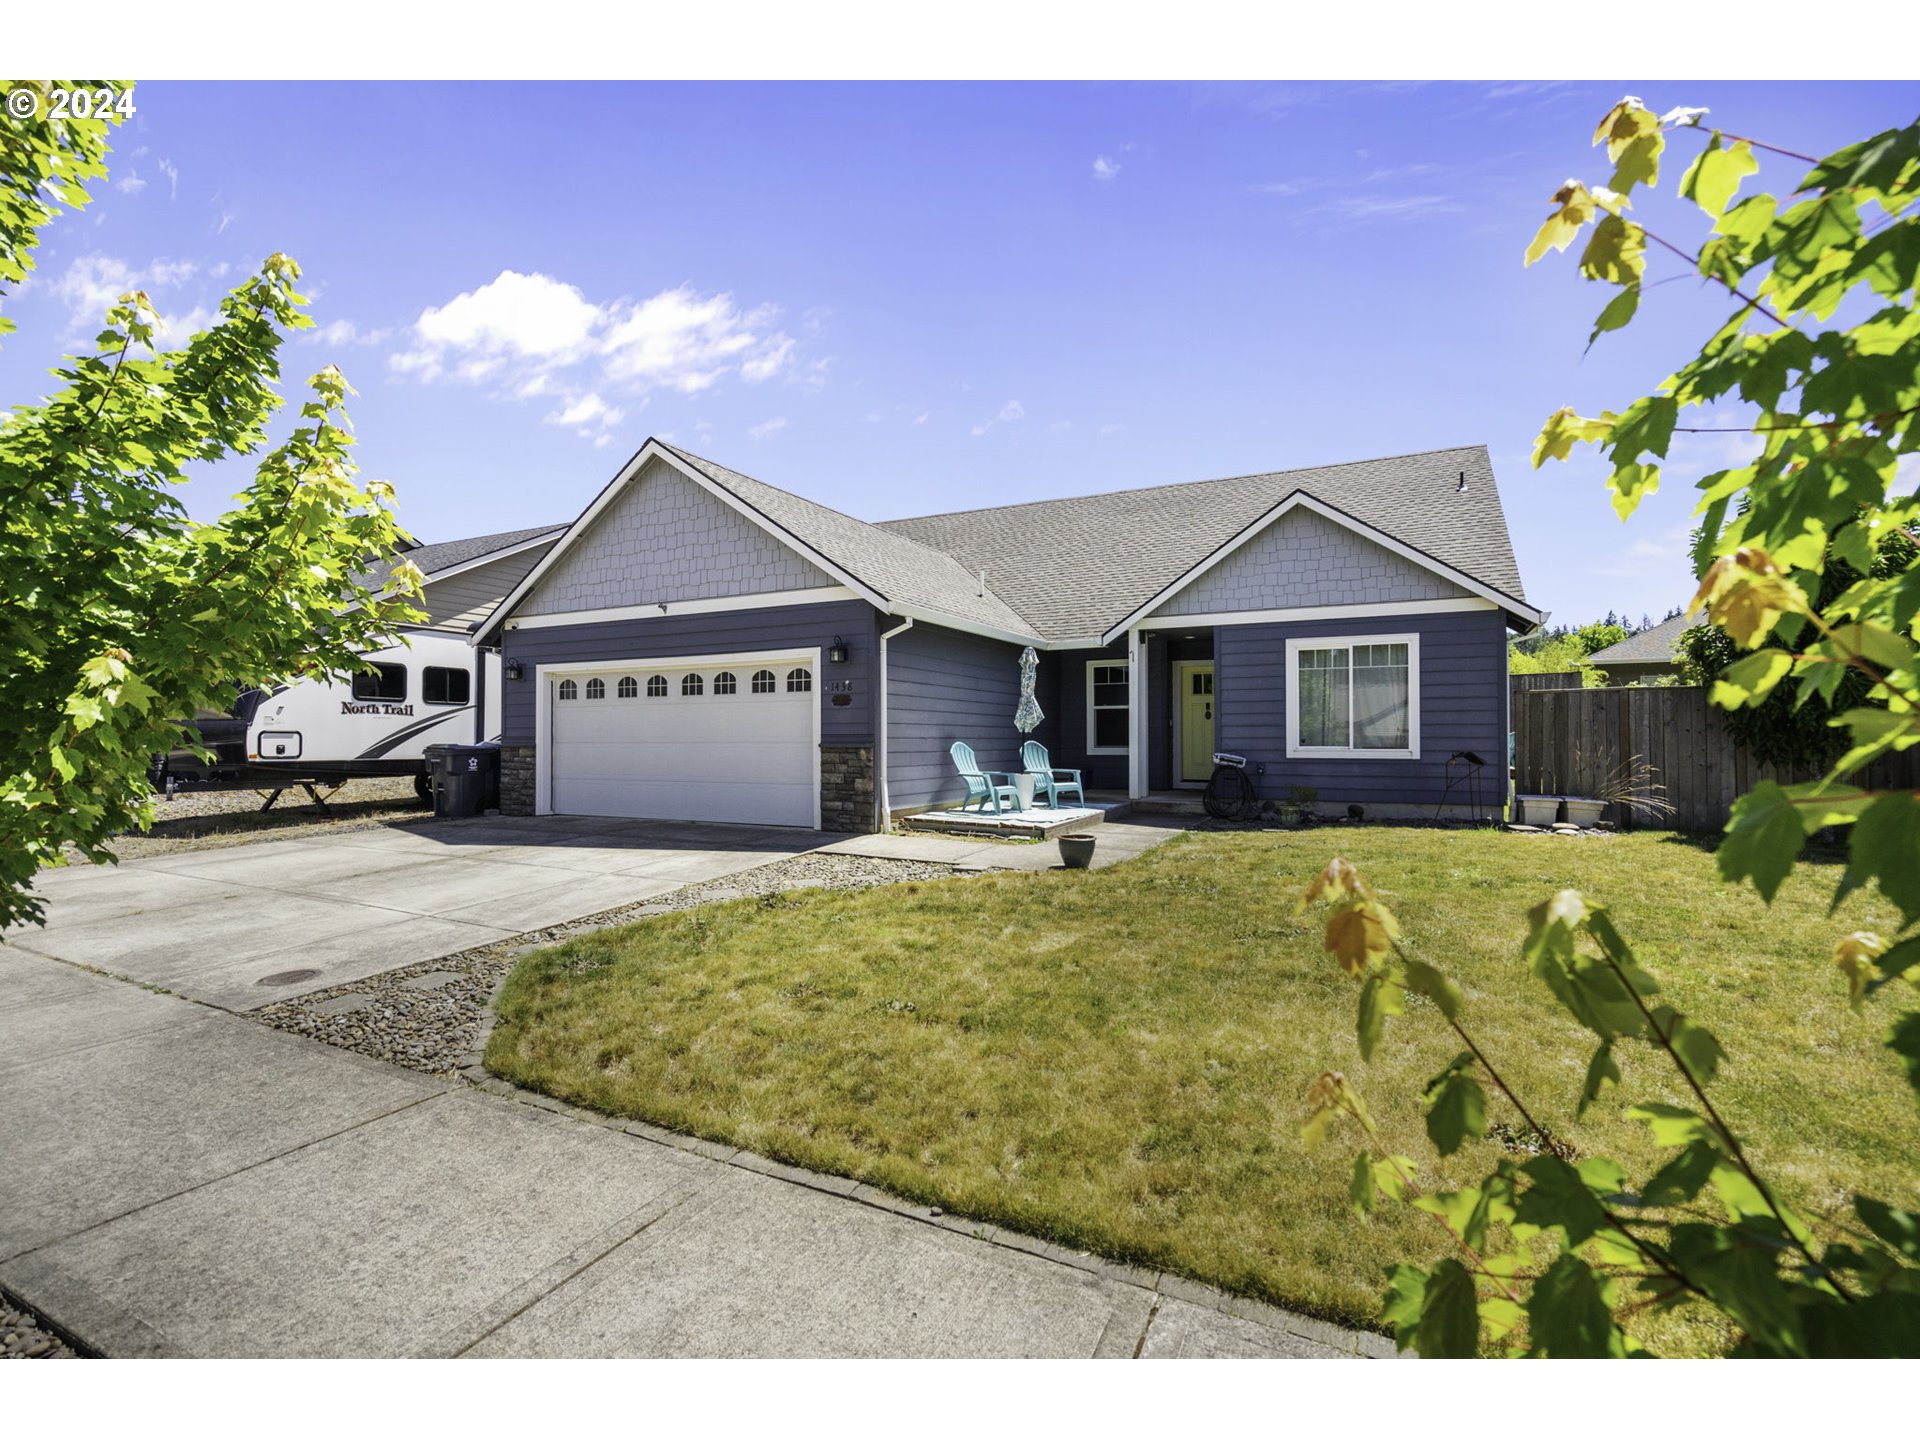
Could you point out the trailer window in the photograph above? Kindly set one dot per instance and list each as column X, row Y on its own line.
column 388, row 682
column 442, row 685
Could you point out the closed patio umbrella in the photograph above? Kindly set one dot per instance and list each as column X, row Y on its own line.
column 1027, row 718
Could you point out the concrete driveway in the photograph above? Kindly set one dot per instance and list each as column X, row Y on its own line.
column 247, row 925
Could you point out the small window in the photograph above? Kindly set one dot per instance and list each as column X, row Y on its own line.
column 799, row 681
column 569, row 690
column 656, row 687
column 1109, row 707
column 596, row 689
column 443, row 685
column 692, row 685
column 388, row 682
column 764, row 682
column 1203, row 682
column 629, row 688
column 725, row 684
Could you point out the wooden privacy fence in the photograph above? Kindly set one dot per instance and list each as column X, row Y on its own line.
column 1574, row 742
column 1552, row 680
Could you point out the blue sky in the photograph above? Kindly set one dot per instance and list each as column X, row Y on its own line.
column 898, row 299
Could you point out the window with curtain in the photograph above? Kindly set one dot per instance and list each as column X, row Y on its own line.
column 1356, row 697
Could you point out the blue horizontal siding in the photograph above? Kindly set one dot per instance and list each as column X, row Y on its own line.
column 1463, row 702
column 784, row 627
column 1068, row 669
column 943, row 686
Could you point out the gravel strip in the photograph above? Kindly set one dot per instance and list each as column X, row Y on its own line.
column 215, row 819
column 22, row 1338
column 428, row 1017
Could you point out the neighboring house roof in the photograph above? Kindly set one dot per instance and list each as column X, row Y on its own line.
column 1067, row 571
column 1649, row 647
column 1127, row 546
column 451, row 554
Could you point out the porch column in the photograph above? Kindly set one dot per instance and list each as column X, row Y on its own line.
column 1137, row 702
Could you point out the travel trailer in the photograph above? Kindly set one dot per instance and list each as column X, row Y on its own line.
column 426, row 689
column 429, row 687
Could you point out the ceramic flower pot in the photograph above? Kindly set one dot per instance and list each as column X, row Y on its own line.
column 1076, row 851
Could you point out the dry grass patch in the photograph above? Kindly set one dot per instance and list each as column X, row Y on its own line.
column 1115, row 1059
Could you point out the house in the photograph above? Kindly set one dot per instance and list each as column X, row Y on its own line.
column 701, row 645
column 1650, row 655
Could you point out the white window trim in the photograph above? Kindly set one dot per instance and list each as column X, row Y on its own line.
column 1124, row 663
column 1297, row 751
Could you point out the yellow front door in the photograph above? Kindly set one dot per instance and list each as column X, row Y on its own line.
column 1196, row 722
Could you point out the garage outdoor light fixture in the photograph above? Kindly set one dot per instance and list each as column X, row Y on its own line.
column 838, row 654
column 513, row 669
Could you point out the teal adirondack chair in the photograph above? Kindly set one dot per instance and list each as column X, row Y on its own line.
column 1037, row 763
column 982, row 784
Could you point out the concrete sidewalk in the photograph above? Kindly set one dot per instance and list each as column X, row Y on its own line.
column 183, row 1181
column 1114, row 841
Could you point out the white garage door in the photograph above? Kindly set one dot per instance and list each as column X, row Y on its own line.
column 732, row 740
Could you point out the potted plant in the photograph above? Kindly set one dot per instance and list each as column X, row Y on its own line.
column 1076, row 851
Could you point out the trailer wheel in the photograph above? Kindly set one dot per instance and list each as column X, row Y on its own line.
column 423, row 787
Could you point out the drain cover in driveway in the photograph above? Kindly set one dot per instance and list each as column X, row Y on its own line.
column 287, row 977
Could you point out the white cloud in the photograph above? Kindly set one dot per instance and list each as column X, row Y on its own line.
column 538, row 335
column 523, row 316
column 767, row 427
column 93, row 284
column 130, row 183
column 1111, row 429
column 923, row 417
column 182, row 327
column 1011, row 411
column 589, row 417
column 171, row 272
column 173, row 180
column 1061, row 425
column 1387, row 207
column 345, row 332
column 1105, row 168
column 769, row 362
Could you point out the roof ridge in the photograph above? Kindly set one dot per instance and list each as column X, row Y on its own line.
column 895, row 536
column 806, row 500
column 1179, row 484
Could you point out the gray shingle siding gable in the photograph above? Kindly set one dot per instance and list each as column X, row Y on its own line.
column 732, row 632
column 666, row 539
column 1306, row 559
column 1463, row 706
column 943, row 686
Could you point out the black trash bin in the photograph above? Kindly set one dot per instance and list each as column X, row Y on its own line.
column 465, row 778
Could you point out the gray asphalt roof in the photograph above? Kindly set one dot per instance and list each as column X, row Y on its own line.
column 449, row 553
column 1649, row 647
column 1127, row 545
column 897, row 566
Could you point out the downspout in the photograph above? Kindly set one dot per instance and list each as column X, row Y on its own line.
column 881, row 798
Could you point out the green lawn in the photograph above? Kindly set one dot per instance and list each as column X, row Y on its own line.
column 1115, row 1059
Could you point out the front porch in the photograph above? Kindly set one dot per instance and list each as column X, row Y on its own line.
column 1038, row 822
